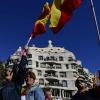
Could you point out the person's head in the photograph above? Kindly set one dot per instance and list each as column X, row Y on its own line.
column 48, row 93
column 81, row 83
column 30, row 78
column 8, row 73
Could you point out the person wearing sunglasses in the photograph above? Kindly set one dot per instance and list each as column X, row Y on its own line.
column 14, row 78
column 81, row 84
column 84, row 93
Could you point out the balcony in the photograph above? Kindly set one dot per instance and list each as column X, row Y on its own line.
column 55, row 83
column 51, row 77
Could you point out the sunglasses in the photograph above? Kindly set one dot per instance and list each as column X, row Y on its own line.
column 80, row 81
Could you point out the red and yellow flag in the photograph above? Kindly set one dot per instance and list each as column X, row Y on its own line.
column 61, row 12
column 39, row 26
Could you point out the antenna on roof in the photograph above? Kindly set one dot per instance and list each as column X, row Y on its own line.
column 95, row 19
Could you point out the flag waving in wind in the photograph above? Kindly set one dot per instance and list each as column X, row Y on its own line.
column 61, row 12
column 39, row 26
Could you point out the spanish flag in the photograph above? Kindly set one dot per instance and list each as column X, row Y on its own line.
column 61, row 12
column 40, row 24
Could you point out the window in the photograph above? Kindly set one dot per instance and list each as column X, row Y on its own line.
column 29, row 62
column 41, row 81
column 67, row 67
column 37, row 64
column 70, row 59
column 64, row 83
column 67, row 94
column 39, row 72
column 63, row 74
column 58, row 66
column 52, row 58
column 40, row 57
column 56, row 83
column 56, row 93
column 74, row 74
column 47, row 58
column 29, row 56
column 60, row 58
column 42, row 65
column 73, row 66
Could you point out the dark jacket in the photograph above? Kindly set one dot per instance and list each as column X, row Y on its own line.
column 92, row 94
column 11, row 90
column 82, row 96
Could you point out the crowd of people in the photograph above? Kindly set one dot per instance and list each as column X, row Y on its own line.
column 16, row 76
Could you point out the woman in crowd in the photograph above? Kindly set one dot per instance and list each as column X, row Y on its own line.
column 32, row 90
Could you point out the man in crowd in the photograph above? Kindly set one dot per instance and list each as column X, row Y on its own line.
column 14, row 78
column 83, row 92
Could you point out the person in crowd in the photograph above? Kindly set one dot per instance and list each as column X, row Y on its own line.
column 14, row 78
column 32, row 90
column 48, row 94
column 83, row 92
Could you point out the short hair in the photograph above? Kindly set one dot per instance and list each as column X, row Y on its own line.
column 47, row 89
column 81, row 76
column 31, row 74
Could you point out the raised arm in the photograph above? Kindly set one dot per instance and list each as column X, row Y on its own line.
column 20, row 70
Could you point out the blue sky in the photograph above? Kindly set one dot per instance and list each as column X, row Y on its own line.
column 79, row 35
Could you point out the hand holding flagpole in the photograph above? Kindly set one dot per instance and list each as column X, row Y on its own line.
column 25, row 48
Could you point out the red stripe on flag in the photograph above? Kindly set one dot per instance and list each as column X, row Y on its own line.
column 62, row 21
column 39, row 26
column 66, row 8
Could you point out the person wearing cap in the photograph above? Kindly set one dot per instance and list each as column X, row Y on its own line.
column 84, row 93
column 14, row 78
column 32, row 90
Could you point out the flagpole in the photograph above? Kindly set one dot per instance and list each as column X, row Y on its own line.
column 95, row 19
column 29, row 40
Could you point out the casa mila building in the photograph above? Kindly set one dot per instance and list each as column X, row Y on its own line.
column 55, row 68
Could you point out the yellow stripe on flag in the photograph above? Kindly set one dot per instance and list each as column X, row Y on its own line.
column 55, row 14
